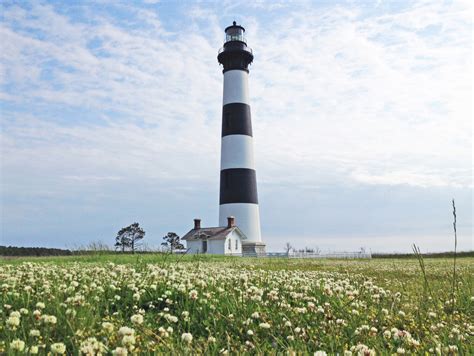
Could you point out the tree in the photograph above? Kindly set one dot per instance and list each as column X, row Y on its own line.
column 288, row 248
column 128, row 236
column 172, row 241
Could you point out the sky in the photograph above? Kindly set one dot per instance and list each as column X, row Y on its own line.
column 362, row 120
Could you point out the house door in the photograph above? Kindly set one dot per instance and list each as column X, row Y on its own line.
column 204, row 246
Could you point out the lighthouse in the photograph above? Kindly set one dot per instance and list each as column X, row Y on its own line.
column 238, row 178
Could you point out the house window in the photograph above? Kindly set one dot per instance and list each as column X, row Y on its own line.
column 230, row 244
column 236, row 244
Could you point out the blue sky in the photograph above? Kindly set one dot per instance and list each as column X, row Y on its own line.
column 362, row 115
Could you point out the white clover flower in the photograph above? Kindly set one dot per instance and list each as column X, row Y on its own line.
column 400, row 350
column 15, row 314
column 163, row 332
column 264, row 326
column 187, row 337
column 49, row 319
column 320, row 353
column 249, row 332
column 58, row 348
column 13, row 322
column 193, row 294
column 290, row 338
column 40, row 305
column 107, row 326
column 33, row 350
column 128, row 340
column 297, row 330
column 211, row 339
column 137, row 319
column 17, row 345
column 171, row 318
column 347, row 353
column 387, row 334
column 125, row 330
column 255, row 315
column 120, row 351
column 35, row 333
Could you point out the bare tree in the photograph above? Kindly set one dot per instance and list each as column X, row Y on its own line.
column 288, row 248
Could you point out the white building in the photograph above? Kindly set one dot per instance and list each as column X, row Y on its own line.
column 223, row 240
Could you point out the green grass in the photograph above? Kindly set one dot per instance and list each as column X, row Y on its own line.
column 335, row 306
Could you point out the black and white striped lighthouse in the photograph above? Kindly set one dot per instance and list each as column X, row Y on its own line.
column 238, row 180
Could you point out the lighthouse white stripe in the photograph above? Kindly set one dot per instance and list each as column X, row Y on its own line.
column 236, row 89
column 247, row 218
column 237, row 152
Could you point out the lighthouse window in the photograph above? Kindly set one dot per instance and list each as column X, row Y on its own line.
column 234, row 34
column 230, row 244
column 236, row 244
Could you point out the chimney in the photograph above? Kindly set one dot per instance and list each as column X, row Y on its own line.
column 230, row 221
column 197, row 224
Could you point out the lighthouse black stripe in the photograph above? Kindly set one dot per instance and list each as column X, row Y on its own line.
column 236, row 119
column 238, row 185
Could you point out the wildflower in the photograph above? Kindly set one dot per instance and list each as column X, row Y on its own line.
column 264, row 326
column 58, row 348
column 33, row 350
column 387, row 334
column 255, row 315
column 128, row 340
column 34, row 333
column 120, row 351
column 17, row 345
column 40, row 305
column 193, row 294
column 124, row 330
column 400, row 350
column 92, row 347
column 211, row 339
column 15, row 314
column 171, row 318
column 107, row 326
column 320, row 353
column 137, row 319
column 163, row 332
column 49, row 319
column 13, row 322
column 249, row 332
column 187, row 337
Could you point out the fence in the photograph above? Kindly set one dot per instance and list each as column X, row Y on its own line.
column 348, row 255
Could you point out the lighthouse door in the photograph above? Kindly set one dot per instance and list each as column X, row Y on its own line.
column 204, row 246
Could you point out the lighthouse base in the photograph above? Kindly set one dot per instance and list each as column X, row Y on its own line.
column 253, row 249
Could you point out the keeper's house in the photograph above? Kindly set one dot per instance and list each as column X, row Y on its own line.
column 223, row 240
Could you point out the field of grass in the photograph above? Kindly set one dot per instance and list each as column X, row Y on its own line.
column 143, row 304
